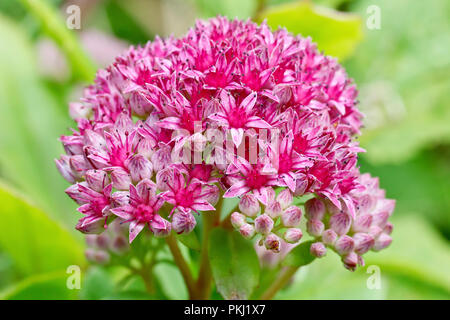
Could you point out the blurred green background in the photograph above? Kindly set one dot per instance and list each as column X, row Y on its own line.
column 402, row 71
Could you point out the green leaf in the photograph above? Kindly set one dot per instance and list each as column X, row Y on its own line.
column 171, row 281
column 35, row 243
column 30, row 123
column 229, row 8
column 234, row 264
column 300, row 255
column 336, row 33
column 97, row 284
column 48, row 286
column 190, row 240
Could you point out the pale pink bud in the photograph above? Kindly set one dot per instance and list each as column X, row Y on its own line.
column 161, row 158
column 340, row 223
column 388, row 228
column 380, row 219
column 66, row 171
column 140, row 168
column 145, row 147
column 329, row 237
column 249, row 205
column 121, row 179
column 274, row 209
column 315, row 209
column 285, row 198
column 350, row 261
column 292, row 235
column 237, row 220
column 263, row 224
column 78, row 110
column 97, row 179
column 362, row 223
column 271, row 195
column 375, row 231
column 120, row 245
column 247, row 231
column 211, row 193
column 102, row 241
column 315, row 227
column 344, row 245
column 163, row 179
column 273, row 243
column 382, row 242
column 183, row 222
column 90, row 254
column 91, row 226
column 101, row 257
column 161, row 232
column 91, row 240
column 78, row 164
column 291, row 216
column 318, row 249
column 363, row 242
column 301, row 185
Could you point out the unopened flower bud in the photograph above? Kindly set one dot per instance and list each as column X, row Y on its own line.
column 211, row 193
column 97, row 179
column 380, row 219
column 292, row 235
column 274, row 209
column 121, row 179
column 329, row 237
column 102, row 241
column 249, row 205
column 362, row 223
column 237, row 220
column 140, row 168
column 263, row 224
column 102, row 257
column 164, row 179
column 247, row 231
column 285, row 198
column 350, row 261
column 388, row 228
column 291, row 216
column 183, row 222
column 382, row 242
column 315, row 227
column 120, row 245
column 90, row 254
column 273, row 243
column 340, row 223
column 318, row 249
column 363, row 242
column 315, row 209
column 162, row 232
column 344, row 244
column 91, row 226
column 375, row 231
column 78, row 110
column 300, row 188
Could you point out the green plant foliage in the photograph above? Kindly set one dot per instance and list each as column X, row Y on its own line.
column 234, row 264
column 228, row 8
column 30, row 122
column 47, row 286
column 300, row 255
column 414, row 63
column 336, row 33
column 97, row 284
column 34, row 242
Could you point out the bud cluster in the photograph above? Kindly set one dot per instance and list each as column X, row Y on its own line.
column 274, row 222
column 112, row 242
column 359, row 225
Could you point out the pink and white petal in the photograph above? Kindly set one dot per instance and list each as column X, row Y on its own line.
column 227, row 100
column 124, row 212
column 169, row 123
column 135, row 228
column 249, row 102
column 256, row 122
column 202, row 206
column 237, row 135
column 236, row 190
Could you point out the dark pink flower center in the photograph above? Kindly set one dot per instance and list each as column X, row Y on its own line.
column 255, row 180
column 238, row 118
column 144, row 213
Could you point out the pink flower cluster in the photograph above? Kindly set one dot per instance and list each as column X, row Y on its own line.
column 231, row 109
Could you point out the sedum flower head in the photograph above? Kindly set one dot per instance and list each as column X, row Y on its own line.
column 232, row 109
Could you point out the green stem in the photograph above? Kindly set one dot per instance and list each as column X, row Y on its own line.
column 182, row 265
column 54, row 26
column 260, row 6
column 282, row 279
